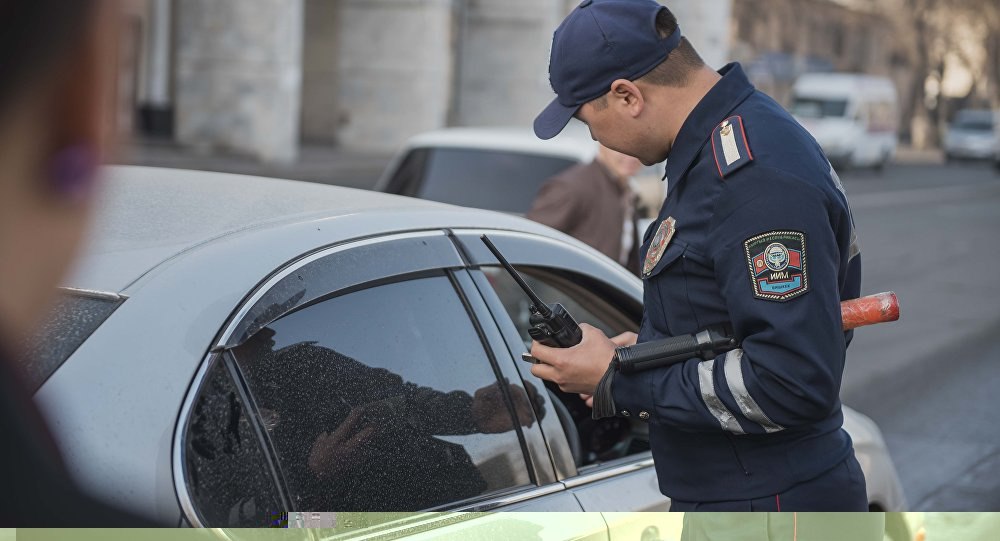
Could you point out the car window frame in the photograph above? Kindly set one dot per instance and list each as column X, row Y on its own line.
column 461, row 287
column 532, row 438
column 452, row 264
column 415, row 159
column 548, row 254
column 189, row 511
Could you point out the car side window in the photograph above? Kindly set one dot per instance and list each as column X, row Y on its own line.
column 488, row 179
column 407, row 177
column 581, row 303
column 228, row 477
column 384, row 399
column 605, row 439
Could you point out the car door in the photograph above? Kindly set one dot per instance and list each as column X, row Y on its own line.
column 360, row 379
column 611, row 469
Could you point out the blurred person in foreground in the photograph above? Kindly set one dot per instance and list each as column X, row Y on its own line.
column 595, row 204
column 756, row 237
column 56, row 58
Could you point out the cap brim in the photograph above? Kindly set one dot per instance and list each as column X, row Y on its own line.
column 553, row 119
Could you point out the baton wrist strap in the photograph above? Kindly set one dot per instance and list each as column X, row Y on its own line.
column 604, row 400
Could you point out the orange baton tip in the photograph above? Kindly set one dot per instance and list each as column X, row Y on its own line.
column 869, row 310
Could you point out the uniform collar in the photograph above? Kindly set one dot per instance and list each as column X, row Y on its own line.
column 726, row 95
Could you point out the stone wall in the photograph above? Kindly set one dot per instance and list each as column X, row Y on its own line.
column 395, row 70
column 707, row 25
column 238, row 76
column 503, row 58
column 257, row 76
column 320, row 71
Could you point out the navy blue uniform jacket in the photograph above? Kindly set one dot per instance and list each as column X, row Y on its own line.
column 756, row 232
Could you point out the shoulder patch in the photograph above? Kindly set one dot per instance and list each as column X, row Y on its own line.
column 730, row 146
column 777, row 261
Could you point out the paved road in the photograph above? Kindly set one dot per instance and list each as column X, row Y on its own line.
column 932, row 380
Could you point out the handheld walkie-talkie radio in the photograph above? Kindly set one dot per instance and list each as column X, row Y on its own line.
column 551, row 324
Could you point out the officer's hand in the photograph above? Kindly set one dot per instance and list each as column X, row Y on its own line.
column 625, row 339
column 577, row 369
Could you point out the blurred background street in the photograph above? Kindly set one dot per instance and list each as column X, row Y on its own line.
column 929, row 233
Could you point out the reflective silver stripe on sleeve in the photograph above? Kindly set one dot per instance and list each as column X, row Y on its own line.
column 855, row 245
column 749, row 407
column 706, row 384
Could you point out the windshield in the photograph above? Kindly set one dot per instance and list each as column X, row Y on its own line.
column 818, row 108
column 974, row 121
column 487, row 179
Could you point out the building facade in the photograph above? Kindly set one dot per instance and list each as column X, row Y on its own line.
column 261, row 77
column 779, row 40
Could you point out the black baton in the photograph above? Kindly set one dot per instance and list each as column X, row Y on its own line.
column 707, row 344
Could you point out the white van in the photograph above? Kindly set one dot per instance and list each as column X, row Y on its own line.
column 855, row 118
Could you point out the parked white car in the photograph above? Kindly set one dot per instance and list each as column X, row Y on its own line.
column 855, row 118
column 973, row 134
column 236, row 347
column 500, row 168
column 489, row 168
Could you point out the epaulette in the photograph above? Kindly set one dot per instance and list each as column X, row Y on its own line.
column 730, row 146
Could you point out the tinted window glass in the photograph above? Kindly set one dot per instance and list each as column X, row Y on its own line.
column 228, row 477
column 974, row 121
column 73, row 319
column 982, row 126
column 584, row 306
column 605, row 439
column 406, row 179
column 817, row 108
column 504, row 181
column 383, row 400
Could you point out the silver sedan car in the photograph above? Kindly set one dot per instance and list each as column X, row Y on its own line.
column 973, row 134
column 234, row 348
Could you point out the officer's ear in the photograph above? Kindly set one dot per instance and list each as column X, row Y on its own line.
column 627, row 98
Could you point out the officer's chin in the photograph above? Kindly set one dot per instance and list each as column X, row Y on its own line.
column 655, row 160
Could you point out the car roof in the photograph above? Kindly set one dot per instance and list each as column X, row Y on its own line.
column 146, row 216
column 573, row 142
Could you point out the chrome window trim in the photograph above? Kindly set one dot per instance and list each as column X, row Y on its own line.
column 607, row 473
column 93, row 294
column 512, row 498
column 177, row 452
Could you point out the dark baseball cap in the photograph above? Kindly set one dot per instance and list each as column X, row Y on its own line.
column 598, row 43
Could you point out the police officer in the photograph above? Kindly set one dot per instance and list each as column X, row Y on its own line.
column 755, row 234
